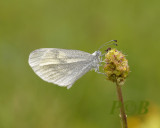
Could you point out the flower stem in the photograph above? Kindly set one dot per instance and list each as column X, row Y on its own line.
column 123, row 116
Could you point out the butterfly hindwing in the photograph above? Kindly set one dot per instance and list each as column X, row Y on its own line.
column 60, row 66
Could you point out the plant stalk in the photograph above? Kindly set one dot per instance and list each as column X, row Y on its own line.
column 123, row 116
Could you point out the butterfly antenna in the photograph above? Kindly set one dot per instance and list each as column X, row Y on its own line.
column 108, row 44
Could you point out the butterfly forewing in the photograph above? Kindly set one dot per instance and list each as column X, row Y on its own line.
column 60, row 66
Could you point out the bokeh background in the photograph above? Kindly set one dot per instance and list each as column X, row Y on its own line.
column 26, row 101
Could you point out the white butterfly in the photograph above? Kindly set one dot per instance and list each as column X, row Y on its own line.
column 61, row 66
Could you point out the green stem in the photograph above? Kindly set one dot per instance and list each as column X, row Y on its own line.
column 122, row 109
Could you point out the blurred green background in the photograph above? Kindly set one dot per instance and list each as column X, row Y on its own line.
column 26, row 101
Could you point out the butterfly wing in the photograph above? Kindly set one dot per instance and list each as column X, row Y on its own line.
column 60, row 66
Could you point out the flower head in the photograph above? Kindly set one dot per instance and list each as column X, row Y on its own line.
column 116, row 67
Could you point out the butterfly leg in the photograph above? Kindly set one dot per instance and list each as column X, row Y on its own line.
column 103, row 55
column 97, row 70
column 103, row 61
column 100, row 72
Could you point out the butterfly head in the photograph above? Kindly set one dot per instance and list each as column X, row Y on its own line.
column 97, row 53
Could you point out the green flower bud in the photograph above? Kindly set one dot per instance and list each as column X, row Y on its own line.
column 116, row 67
